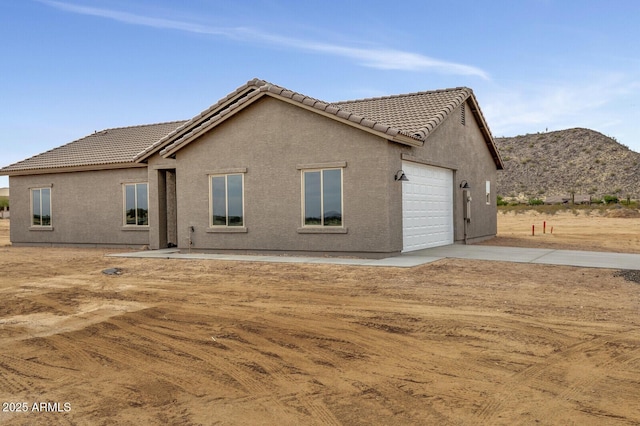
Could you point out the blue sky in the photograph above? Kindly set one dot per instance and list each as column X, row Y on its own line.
column 70, row 67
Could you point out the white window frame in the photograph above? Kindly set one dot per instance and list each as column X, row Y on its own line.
column 124, row 204
column 40, row 188
column 226, row 191
column 302, row 197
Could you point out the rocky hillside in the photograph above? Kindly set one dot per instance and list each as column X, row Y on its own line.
column 556, row 163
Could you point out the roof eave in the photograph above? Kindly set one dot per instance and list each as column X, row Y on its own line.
column 70, row 169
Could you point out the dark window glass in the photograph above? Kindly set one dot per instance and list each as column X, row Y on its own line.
column 234, row 197
column 226, row 200
column 332, row 197
column 136, row 204
column 323, row 198
column 312, row 198
column 219, row 200
column 142, row 205
column 35, row 205
column 45, row 205
column 130, row 204
column 41, row 207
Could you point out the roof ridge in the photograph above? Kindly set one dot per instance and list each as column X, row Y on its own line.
column 402, row 95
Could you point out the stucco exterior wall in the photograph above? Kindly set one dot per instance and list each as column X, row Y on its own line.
column 272, row 140
column 87, row 209
column 462, row 148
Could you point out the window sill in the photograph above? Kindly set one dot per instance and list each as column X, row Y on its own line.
column 135, row 228
column 227, row 230
column 322, row 230
column 41, row 228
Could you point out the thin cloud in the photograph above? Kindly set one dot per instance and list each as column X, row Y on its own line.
column 379, row 58
column 537, row 107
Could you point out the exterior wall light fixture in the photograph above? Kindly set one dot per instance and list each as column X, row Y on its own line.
column 400, row 176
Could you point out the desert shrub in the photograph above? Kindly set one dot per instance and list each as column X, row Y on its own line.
column 501, row 202
column 535, row 202
column 4, row 202
column 611, row 199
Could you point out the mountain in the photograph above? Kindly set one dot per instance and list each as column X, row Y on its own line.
column 574, row 160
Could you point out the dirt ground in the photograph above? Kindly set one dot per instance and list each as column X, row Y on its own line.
column 612, row 230
column 237, row 343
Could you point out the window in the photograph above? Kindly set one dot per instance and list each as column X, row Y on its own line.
column 227, row 200
column 41, row 207
column 322, row 192
column 136, row 204
column 488, row 191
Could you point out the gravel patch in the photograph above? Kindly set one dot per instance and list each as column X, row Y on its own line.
column 629, row 275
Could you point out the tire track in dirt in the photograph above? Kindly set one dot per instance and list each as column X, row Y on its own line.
column 596, row 375
column 278, row 369
column 126, row 357
column 241, row 370
column 271, row 355
column 10, row 380
column 533, row 374
column 124, row 354
column 18, row 374
column 382, row 389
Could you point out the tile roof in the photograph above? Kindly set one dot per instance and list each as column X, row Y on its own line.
column 106, row 147
column 417, row 114
column 407, row 119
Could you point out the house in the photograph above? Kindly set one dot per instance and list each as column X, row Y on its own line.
column 4, row 199
column 266, row 169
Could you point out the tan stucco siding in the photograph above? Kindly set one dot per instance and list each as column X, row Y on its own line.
column 272, row 139
column 463, row 149
column 87, row 208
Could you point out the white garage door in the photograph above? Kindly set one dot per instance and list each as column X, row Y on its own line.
column 427, row 206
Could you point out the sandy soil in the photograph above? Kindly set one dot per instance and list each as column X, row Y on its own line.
column 204, row 342
column 4, row 232
column 614, row 230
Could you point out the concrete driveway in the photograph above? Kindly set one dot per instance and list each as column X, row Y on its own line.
column 588, row 259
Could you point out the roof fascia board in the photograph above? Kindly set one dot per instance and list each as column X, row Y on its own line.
column 90, row 168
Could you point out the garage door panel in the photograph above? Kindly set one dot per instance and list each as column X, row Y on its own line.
column 427, row 206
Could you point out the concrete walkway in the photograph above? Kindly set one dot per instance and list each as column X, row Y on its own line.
column 420, row 257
